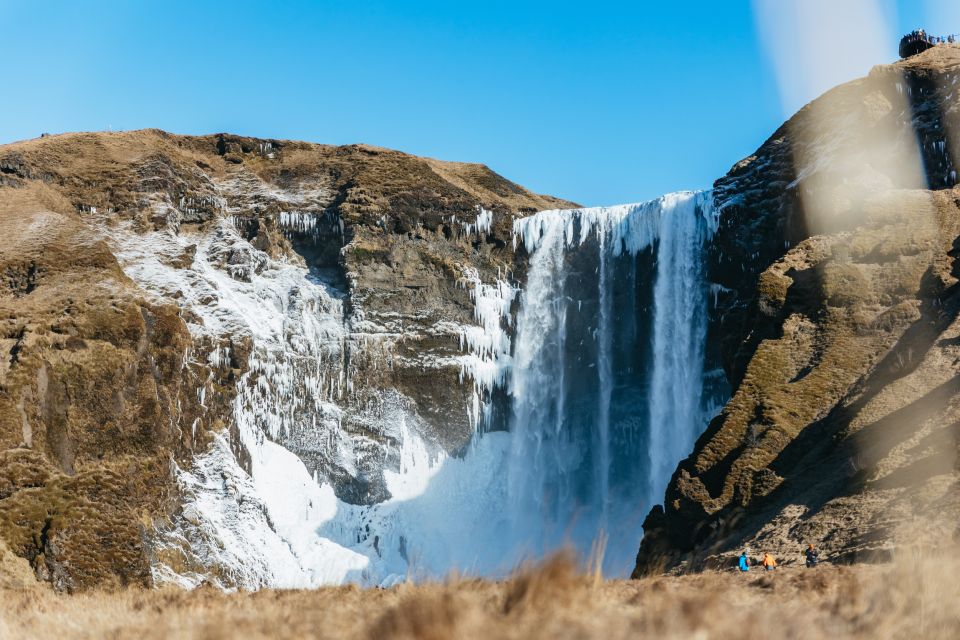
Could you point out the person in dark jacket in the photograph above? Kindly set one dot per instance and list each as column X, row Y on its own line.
column 813, row 556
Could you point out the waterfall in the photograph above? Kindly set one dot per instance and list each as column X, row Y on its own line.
column 601, row 372
column 607, row 377
column 679, row 333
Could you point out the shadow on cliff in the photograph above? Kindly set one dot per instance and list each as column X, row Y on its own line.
column 827, row 460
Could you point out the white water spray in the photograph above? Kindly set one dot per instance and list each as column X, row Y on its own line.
column 679, row 334
column 587, row 456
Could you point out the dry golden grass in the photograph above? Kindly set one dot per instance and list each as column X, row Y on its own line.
column 916, row 597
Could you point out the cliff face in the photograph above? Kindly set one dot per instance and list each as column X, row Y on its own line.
column 94, row 389
column 148, row 279
column 836, row 320
column 173, row 307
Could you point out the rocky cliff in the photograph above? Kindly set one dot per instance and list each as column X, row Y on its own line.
column 156, row 287
column 224, row 357
column 836, row 276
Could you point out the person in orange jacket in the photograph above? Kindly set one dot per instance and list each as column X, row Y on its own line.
column 768, row 562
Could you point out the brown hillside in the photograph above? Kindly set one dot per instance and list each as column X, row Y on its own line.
column 838, row 325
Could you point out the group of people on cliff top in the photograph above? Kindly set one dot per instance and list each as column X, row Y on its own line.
column 770, row 563
column 920, row 34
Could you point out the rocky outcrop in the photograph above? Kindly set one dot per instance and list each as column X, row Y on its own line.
column 837, row 324
column 126, row 260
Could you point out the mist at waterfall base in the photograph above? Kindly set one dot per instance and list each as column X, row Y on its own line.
column 606, row 392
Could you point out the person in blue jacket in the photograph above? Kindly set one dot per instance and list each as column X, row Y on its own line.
column 744, row 562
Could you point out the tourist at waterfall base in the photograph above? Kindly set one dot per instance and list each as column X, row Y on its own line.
column 769, row 563
column 813, row 556
column 744, row 563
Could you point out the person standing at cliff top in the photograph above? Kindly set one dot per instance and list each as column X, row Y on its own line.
column 813, row 556
column 769, row 562
column 744, row 563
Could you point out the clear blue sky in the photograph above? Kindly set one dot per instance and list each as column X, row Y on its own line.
column 598, row 102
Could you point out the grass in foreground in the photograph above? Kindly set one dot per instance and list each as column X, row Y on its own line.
column 917, row 597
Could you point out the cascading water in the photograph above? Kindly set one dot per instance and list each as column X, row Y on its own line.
column 603, row 373
column 608, row 369
column 679, row 333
